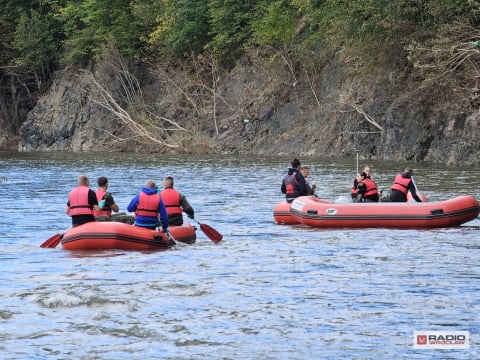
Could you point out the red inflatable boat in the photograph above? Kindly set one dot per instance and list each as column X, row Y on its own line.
column 315, row 212
column 98, row 235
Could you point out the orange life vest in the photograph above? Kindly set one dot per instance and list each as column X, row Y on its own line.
column 171, row 200
column 291, row 183
column 148, row 204
column 78, row 199
column 401, row 184
column 106, row 210
column 371, row 187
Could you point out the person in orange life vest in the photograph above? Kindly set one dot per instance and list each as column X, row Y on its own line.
column 367, row 189
column 175, row 202
column 109, row 204
column 311, row 187
column 147, row 206
column 293, row 184
column 368, row 171
column 82, row 202
column 402, row 185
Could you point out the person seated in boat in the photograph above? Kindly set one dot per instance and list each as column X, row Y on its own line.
column 293, row 184
column 311, row 187
column 148, row 206
column 106, row 203
column 175, row 202
column 368, row 171
column 402, row 184
column 82, row 202
column 366, row 189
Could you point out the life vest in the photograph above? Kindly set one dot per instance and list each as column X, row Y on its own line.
column 401, row 184
column 78, row 199
column 371, row 187
column 171, row 200
column 106, row 211
column 148, row 204
column 291, row 184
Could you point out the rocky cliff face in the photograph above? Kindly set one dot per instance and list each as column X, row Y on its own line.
column 265, row 108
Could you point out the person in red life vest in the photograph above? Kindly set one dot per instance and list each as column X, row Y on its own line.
column 368, row 172
column 402, row 184
column 147, row 206
column 366, row 189
column 293, row 184
column 175, row 202
column 106, row 203
column 82, row 201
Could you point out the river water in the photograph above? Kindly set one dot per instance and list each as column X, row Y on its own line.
column 265, row 292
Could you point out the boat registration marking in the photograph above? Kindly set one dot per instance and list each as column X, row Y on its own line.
column 297, row 205
column 331, row 211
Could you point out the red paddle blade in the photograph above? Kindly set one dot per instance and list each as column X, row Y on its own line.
column 52, row 241
column 212, row 234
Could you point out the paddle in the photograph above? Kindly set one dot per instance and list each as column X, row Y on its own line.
column 211, row 233
column 52, row 241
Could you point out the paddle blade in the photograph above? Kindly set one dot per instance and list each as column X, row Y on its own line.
column 52, row 242
column 211, row 233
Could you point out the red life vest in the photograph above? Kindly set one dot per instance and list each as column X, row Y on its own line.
column 148, row 204
column 401, row 184
column 106, row 210
column 371, row 187
column 78, row 199
column 171, row 200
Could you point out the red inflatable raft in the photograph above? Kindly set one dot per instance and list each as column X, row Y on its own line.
column 282, row 215
column 98, row 235
column 315, row 212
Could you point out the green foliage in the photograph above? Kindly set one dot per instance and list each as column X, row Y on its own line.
column 230, row 27
column 181, row 27
column 37, row 39
column 275, row 24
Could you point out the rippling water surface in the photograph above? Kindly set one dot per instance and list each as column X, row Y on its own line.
column 265, row 292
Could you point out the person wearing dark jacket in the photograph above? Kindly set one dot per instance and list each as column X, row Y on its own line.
column 402, row 184
column 293, row 184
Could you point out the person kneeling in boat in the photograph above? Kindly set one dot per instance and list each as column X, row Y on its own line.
column 366, row 189
column 82, row 202
column 311, row 187
column 293, row 184
column 175, row 202
column 147, row 206
column 402, row 184
column 107, row 204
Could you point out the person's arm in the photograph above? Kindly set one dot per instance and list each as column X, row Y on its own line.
column 92, row 200
column 162, row 210
column 413, row 191
column 110, row 202
column 186, row 207
column 283, row 188
column 132, row 207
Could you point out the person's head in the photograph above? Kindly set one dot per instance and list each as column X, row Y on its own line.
column 168, row 182
column 361, row 176
column 83, row 180
column 295, row 163
column 368, row 170
column 150, row 184
column 102, row 181
column 304, row 170
column 408, row 171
